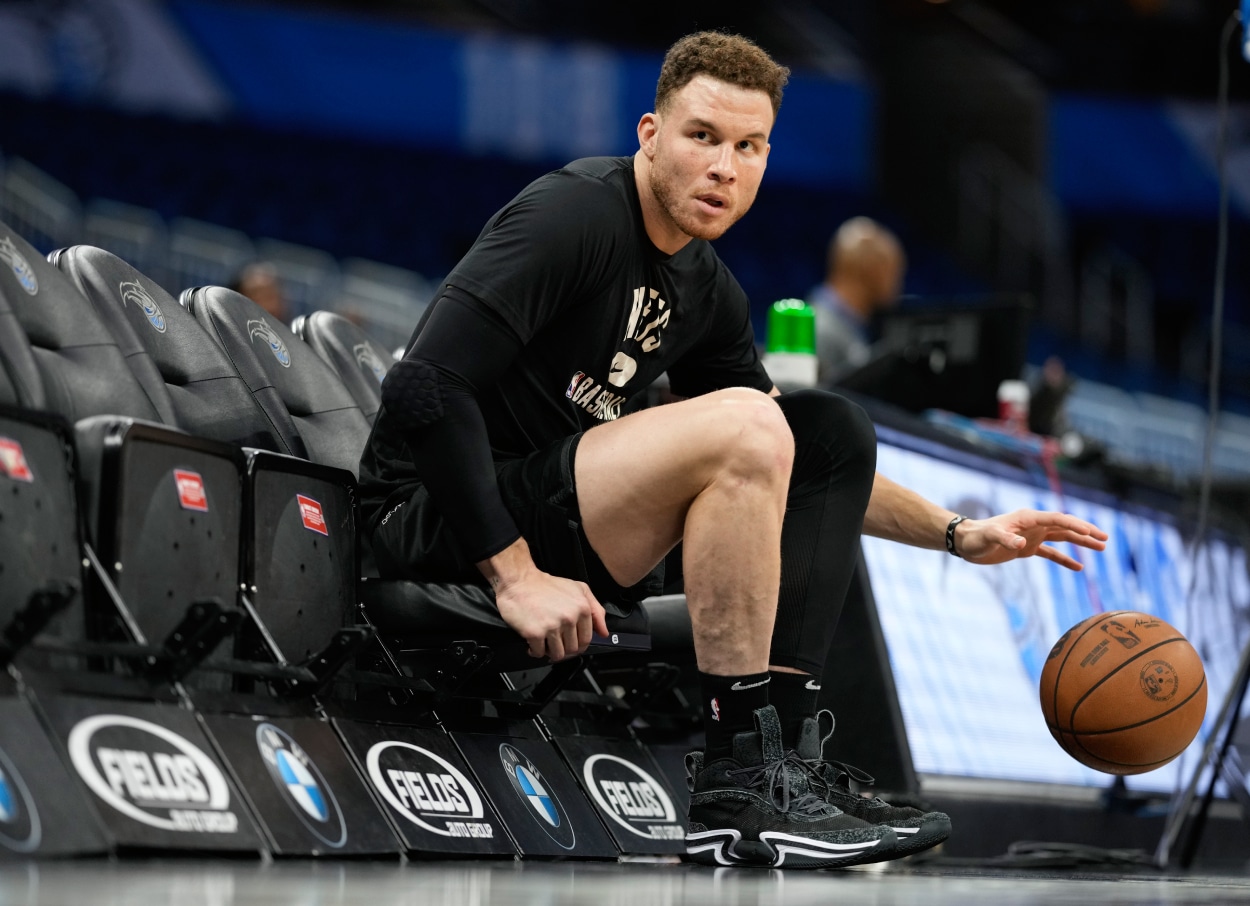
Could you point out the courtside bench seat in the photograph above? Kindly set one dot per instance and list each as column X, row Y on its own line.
column 426, row 615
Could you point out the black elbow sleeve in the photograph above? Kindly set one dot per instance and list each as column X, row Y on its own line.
column 412, row 395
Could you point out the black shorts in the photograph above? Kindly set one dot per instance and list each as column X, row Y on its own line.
column 413, row 541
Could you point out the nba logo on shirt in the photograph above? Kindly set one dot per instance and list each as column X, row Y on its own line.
column 191, row 490
column 572, row 388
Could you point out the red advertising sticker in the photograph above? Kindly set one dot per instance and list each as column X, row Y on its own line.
column 191, row 490
column 13, row 461
column 310, row 512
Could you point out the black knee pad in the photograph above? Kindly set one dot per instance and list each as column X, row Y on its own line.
column 412, row 395
column 833, row 423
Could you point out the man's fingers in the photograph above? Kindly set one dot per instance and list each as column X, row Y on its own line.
column 537, row 647
column 1071, row 537
column 599, row 616
column 584, row 631
column 555, row 646
column 568, row 636
column 1054, row 556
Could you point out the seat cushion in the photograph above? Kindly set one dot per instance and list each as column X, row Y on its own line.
column 358, row 359
column 420, row 615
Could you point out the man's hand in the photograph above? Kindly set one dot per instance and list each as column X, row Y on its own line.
column 1025, row 533
column 557, row 617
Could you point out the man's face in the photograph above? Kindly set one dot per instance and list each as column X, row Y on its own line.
column 708, row 152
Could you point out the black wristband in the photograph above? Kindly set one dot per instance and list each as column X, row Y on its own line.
column 950, row 535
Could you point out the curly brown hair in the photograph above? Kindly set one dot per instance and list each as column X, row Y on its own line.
column 727, row 57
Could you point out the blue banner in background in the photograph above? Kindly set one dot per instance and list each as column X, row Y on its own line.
column 484, row 93
column 1153, row 157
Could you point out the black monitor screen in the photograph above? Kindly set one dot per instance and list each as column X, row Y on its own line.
column 947, row 354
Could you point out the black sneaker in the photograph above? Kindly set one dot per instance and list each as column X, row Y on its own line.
column 916, row 830
column 758, row 808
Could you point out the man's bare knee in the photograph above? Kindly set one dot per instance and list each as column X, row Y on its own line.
column 753, row 438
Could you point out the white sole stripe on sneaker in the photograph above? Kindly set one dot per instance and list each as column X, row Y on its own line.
column 795, row 844
column 783, row 851
column 716, row 844
column 904, row 830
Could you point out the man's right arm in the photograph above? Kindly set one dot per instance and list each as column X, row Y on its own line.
column 431, row 399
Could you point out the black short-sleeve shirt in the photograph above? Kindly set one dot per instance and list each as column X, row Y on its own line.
column 600, row 311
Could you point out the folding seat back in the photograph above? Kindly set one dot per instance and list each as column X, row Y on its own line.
column 39, row 528
column 301, row 559
column 283, row 372
column 78, row 361
column 299, row 540
column 162, row 508
column 209, row 398
column 20, row 383
column 359, row 360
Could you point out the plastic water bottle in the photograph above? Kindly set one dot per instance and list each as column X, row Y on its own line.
column 790, row 356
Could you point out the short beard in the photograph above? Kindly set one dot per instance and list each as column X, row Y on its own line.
column 665, row 194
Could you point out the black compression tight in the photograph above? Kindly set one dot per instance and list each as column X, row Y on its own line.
column 835, row 458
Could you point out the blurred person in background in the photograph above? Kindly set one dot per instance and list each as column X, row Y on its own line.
column 259, row 281
column 864, row 275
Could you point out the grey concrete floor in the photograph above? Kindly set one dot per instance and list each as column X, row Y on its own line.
column 222, row 883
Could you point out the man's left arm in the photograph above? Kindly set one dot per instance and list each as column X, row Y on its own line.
column 899, row 514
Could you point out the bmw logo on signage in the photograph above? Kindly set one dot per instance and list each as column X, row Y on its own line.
column 631, row 797
column 20, row 830
column 427, row 790
column 529, row 784
column 151, row 774
column 306, row 789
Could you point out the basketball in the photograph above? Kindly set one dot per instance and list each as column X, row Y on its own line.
column 1123, row 692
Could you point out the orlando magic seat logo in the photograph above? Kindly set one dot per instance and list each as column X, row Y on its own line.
column 21, row 267
column 261, row 330
column 367, row 358
column 303, row 786
column 544, row 807
column 136, row 295
column 20, row 828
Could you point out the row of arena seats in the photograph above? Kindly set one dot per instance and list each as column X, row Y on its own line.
column 186, row 251
column 1146, row 430
column 194, row 661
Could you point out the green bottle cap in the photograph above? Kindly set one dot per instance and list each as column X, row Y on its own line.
column 791, row 327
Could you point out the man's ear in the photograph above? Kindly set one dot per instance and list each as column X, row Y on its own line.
column 648, row 130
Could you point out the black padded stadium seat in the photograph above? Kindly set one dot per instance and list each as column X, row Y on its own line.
column 359, row 360
column 285, row 376
column 171, row 354
column 162, row 507
column 20, row 383
column 419, row 616
column 299, row 539
column 76, row 358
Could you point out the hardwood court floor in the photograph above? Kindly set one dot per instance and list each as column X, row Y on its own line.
column 220, row 883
